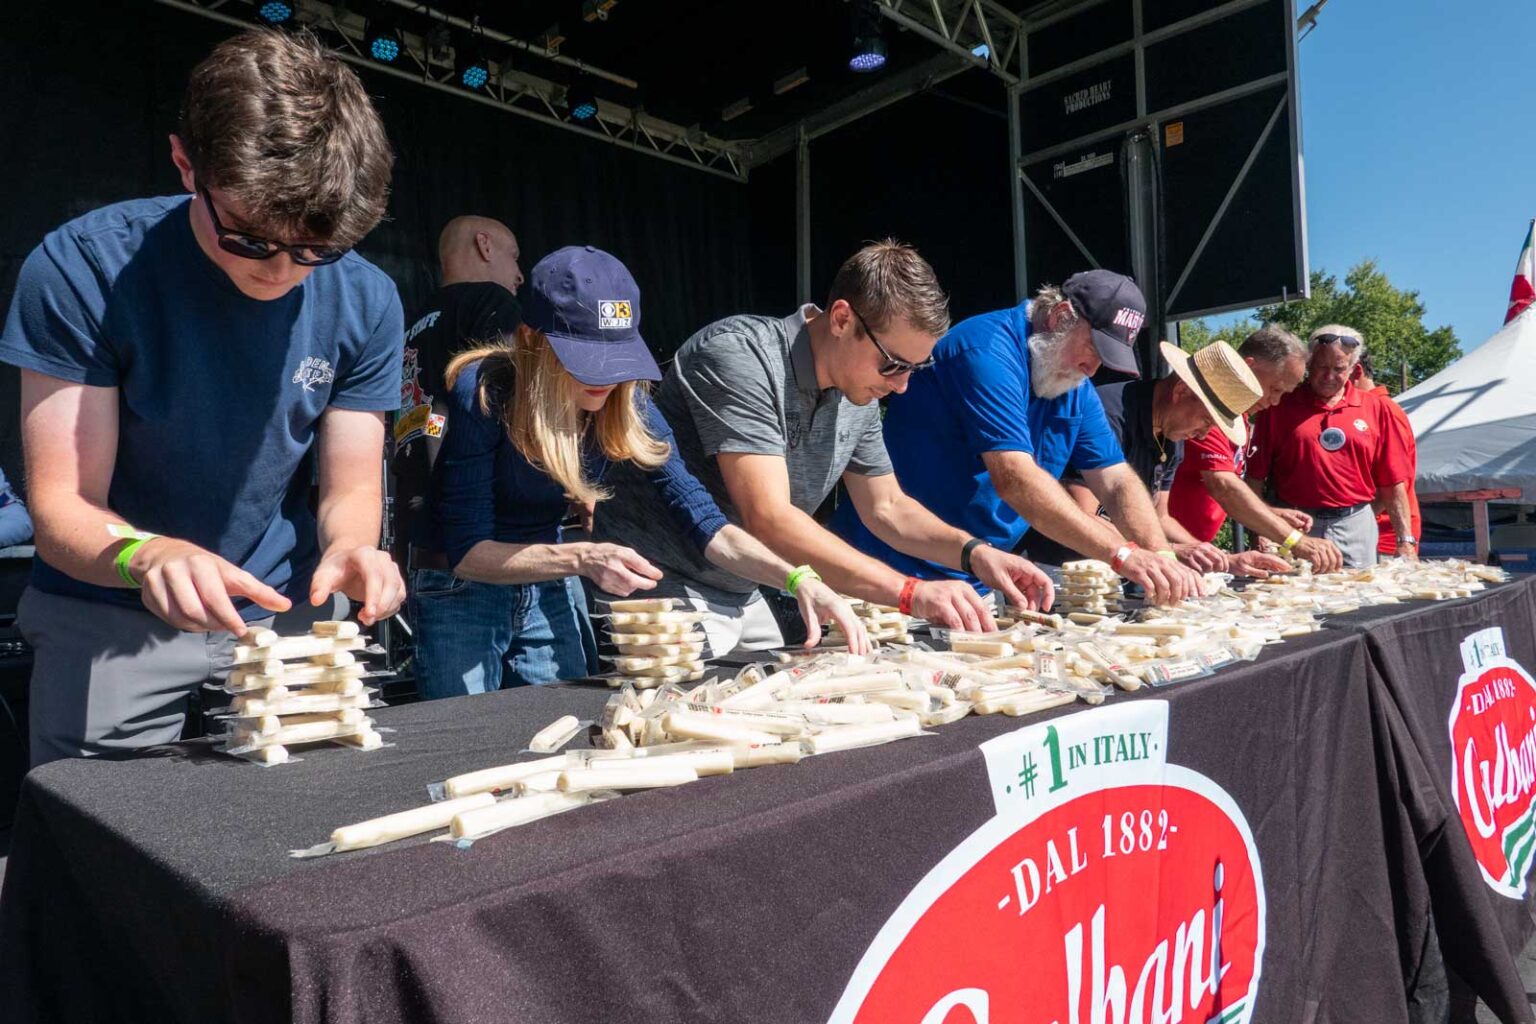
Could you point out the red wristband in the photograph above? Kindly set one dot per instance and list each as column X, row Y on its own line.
column 1121, row 555
column 904, row 605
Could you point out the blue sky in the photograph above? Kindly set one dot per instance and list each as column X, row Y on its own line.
column 1419, row 135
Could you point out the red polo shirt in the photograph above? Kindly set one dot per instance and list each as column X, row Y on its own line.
column 1387, row 545
column 1189, row 502
column 1365, row 450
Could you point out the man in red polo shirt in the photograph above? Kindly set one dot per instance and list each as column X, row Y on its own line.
column 1209, row 486
column 1334, row 453
column 1365, row 380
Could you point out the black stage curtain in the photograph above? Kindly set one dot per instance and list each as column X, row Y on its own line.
column 93, row 89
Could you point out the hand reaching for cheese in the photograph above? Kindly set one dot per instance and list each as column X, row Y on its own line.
column 366, row 575
column 819, row 602
column 191, row 588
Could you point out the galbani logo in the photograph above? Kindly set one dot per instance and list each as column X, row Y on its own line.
column 1121, row 904
column 1493, row 742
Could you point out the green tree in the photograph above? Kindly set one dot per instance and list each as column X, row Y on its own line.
column 1390, row 319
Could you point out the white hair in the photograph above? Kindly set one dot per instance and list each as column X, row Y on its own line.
column 1331, row 331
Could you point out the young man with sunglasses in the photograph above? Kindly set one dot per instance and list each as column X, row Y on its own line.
column 189, row 365
column 1335, row 453
column 770, row 414
column 985, row 438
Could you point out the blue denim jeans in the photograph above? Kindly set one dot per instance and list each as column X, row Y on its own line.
column 477, row 637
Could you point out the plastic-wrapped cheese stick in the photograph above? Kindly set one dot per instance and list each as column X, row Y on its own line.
column 635, row 665
column 260, row 637
column 555, row 735
column 693, row 647
column 269, row 724
column 701, row 725
column 828, row 687
column 768, row 753
column 501, row 777
column 1038, row 618
column 306, row 675
column 945, row 715
column 1117, row 673
column 377, row 831
column 307, row 732
column 681, row 671
column 333, row 659
column 482, row 821
column 906, row 700
column 336, row 627
column 652, row 637
column 624, row 774
column 1023, row 705
column 709, row 761
column 847, row 737
column 367, row 739
column 653, row 618
column 269, row 755
column 543, row 782
column 1153, row 628
column 649, row 604
column 840, row 714
column 986, row 648
column 298, row 704
column 296, row 647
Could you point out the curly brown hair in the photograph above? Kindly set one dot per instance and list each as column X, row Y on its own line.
column 287, row 131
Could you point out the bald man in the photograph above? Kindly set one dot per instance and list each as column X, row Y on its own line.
column 476, row 304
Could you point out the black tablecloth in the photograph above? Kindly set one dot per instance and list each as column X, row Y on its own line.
column 159, row 888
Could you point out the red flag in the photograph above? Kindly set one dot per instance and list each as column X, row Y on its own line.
column 1523, row 291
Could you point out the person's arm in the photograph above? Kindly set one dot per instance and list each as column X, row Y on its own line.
column 69, row 432
column 1393, row 470
column 1038, row 497
column 736, row 550
column 1127, row 503
column 350, row 445
column 907, row 525
column 1399, row 511
column 1192, row 551
column 1242, row 504
column 758, row 486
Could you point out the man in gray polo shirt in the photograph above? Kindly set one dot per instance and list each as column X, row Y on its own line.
column 770, row 414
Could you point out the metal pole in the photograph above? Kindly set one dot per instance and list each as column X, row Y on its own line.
column 1480, row 530
column 803, row 217
column 1016, row 196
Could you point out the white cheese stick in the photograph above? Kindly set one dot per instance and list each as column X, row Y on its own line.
column 298, row 704
column 906, row 700
column 653, row 618
column 377, row 831
column 481, row 821
column 945, row 715
column 680, row 671
column 624, row 774
column 649, row 604
column 1153, row 628
column 701, row 725
column 269, row 755
column 768, row 753
column 295, row 647
column 555, row 735
column 635, row 665
column 693, row 647
column 366, row 739
column 1118, row 674
column 306, row 732
column 985, row 648
column 260, row 637
column 336, row 627
column 847, row 737
column 333, row 659
column 248, row 679
column 1023, row 704
column 704, row 761
column 543, row 782
column 653, row 636
column 840, row 714
column 269, row 724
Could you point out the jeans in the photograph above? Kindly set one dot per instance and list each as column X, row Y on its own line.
column 477, row 637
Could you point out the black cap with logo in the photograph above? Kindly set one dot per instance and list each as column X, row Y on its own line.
column 1115, row 308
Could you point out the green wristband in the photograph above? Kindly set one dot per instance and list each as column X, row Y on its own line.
column 798, row 575
column 121, row 561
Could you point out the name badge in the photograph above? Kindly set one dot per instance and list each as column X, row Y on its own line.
column 1332, row 439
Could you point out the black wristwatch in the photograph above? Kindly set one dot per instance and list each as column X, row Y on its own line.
column 965, row 554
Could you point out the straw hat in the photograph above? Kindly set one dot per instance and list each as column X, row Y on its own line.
column 1222, row 381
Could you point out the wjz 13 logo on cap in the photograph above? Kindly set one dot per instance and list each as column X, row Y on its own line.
column 614, row 315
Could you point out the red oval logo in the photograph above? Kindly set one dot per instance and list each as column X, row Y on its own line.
column 1124, row 905
column 1493, row 740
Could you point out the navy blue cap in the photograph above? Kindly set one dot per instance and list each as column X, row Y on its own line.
column 1115, row 308
column 587, row 304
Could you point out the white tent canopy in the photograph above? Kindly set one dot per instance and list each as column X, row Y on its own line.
column 1475, row 420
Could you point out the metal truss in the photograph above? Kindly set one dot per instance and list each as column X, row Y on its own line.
column 982, row 32
column 509, row 89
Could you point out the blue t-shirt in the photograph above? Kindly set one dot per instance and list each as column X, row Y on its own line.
column 219, row 394
column 977, row 399
column 484, row 489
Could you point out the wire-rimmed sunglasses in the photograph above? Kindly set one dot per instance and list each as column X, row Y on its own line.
column 893, row 366
column 254, row 247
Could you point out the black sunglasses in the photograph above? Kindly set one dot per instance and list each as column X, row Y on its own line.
column 893, row 366
column 254, row 247
column 1347, row 340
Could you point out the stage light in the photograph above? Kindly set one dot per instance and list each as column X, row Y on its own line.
column 275, row 12
column 383, row 39
column 868, row 44
column 580, row 101
column 473, row 69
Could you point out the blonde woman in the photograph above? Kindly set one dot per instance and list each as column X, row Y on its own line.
column 532, row 426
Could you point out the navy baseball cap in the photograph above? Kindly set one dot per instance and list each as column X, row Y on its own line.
column 1115, row 308
column 587, row 304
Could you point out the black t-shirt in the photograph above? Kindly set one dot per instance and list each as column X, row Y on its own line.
column 1128, row 408
column 458, row 317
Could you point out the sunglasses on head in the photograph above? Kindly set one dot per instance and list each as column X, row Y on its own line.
column 254, row 247
column 1347, row 340
column 892, row 366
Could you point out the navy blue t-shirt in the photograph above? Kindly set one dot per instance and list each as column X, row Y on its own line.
column 219, row 394
column 484, row 489
column 976, row 399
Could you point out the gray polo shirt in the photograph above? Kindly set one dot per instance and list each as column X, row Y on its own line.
column 746, row 384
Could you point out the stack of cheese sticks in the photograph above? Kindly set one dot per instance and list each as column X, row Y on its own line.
column 884, row 624
column 650, row 736
column 296, row 690
column 1088, row 588
column 657, row 642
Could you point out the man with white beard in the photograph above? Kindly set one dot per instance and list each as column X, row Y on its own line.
column 984, row 438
